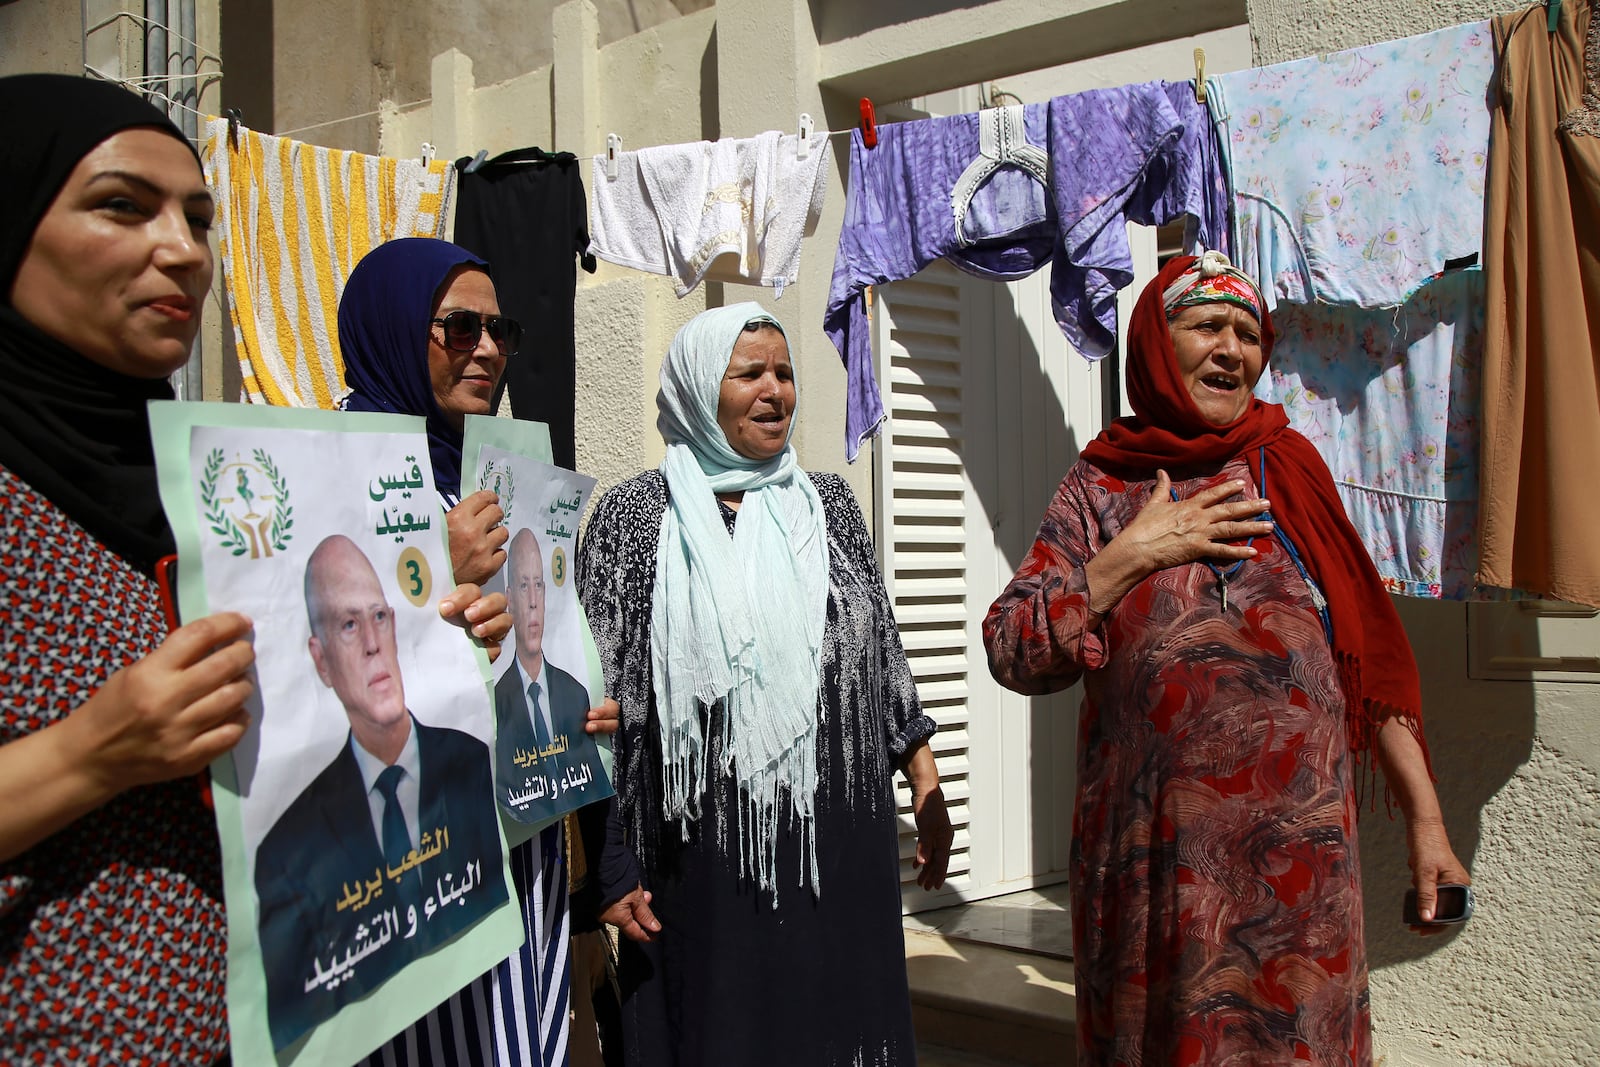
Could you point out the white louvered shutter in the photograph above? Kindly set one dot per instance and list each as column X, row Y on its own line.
column 923, row 534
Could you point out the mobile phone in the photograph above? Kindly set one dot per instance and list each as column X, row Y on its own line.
column 1452, row 904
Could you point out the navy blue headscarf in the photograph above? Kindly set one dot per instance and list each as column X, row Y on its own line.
column 383, row 336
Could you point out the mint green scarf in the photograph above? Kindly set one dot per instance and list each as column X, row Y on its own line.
column 737, row 620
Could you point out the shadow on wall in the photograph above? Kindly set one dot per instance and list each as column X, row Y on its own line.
column 1029, row 466
column 836, row 21
column 1479, row 734
column 1104, row 28
column 710, row 120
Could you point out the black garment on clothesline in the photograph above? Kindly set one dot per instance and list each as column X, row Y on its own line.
column 525, row 212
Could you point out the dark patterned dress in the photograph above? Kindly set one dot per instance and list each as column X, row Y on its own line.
column 113, row 946
column 1215, row 883
column 820, row 979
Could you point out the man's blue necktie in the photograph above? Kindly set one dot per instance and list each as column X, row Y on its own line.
column 396, row 840
column 541, row 732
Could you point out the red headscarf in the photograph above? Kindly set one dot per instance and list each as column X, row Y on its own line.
column 1376, row 667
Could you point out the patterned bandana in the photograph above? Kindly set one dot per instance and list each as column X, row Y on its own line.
column 1212, row 280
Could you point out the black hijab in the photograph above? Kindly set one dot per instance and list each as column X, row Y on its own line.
column 75, row 431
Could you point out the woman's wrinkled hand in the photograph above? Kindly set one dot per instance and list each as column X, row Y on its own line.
column 604, row 719
column 484, row 615
column 1169, row 533
column 934, row 838
column 477, row 537
column 631, row 914
column 1432, row 862
column 172, row 712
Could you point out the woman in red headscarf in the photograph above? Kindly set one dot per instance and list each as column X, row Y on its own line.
column 1241, row 659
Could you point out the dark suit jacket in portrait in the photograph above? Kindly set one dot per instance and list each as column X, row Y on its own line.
column 570, row 779
column 321, row 878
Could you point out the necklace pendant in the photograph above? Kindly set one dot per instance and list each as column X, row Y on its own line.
column 1222, row 591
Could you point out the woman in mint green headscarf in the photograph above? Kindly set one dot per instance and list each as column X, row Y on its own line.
column 766, row 703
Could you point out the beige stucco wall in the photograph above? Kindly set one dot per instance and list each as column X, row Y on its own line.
column 60, row 37
column 1517, row 765
column 39, row 36
column 366, row 53
column 1288, row 29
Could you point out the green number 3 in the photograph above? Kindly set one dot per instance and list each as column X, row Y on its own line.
column 415, row 573
column 558, row 568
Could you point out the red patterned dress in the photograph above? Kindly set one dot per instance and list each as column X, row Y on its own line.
column 113, row 947
column 1215, row 880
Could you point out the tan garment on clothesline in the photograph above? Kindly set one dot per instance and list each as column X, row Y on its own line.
column 1540, row 498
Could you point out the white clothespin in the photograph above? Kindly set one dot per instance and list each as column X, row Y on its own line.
column 427, row 153
column 1199, row 75
column 613, row 146
column 806, row 128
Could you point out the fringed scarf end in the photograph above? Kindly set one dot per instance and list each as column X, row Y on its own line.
column 1364, row 717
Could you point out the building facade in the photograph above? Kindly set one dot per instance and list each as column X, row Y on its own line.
column 988, row 405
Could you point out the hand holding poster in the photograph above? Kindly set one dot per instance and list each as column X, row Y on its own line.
column 361, row 842
column 545, row 763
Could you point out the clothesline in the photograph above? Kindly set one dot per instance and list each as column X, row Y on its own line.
column 144, row 80
column 143, row 84
column 143, row 87
column 352, row 118
column 149, row 24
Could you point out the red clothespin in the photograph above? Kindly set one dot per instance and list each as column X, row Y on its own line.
column 869, row 124
column 167, row 587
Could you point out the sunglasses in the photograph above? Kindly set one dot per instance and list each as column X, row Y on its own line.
column 463, row 328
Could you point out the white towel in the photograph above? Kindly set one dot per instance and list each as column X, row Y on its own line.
column 729, row 210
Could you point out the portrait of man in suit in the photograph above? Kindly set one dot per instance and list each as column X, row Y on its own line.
column 546, row 763
column 393, row 848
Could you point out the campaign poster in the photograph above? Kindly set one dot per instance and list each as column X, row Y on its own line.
column 364, row 861
column 548, row 676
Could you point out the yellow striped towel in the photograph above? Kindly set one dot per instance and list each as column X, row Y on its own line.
column 294, row 219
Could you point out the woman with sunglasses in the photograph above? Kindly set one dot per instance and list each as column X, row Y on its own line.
column 421, row 334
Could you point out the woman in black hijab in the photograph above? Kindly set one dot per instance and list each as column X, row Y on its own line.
column 112, row 932
column 112, row 936
column 113, row 942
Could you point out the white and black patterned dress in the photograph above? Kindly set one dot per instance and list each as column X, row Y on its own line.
column 820, row 979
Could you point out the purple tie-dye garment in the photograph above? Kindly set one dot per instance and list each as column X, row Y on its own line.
column 1139, row 153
